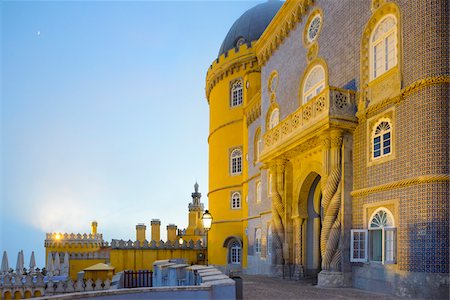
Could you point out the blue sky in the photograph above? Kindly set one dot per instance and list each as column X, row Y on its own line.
column 103, row 114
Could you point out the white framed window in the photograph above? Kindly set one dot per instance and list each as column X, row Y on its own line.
column 235, row 252
column 257, row 145
column 358, row 246
column 258, row 237
column 236, row 200
column 383, row 46
column 258, row 191
column 236, row 93
column 236, row 161
column 274, row 118
column 378, row 243
column 382, row 139
column 314, row 83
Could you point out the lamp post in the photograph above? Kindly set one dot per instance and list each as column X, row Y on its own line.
column 207, row 222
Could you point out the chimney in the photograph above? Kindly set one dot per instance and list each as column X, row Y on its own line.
column 171, row 232
column 156, row 224
column 94, row 227
column 140, row 232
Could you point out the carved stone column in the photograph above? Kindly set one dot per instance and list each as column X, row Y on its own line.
column 331, row 204
column 298, row 250
column 277, row 215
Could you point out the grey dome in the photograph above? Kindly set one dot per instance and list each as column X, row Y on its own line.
column 250, row 25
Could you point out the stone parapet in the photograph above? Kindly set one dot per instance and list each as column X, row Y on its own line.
column 121, row 244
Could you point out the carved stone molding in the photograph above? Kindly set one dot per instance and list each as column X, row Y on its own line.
column 401, row 184
column 290, row 14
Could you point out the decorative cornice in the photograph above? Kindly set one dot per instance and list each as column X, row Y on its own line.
column 417, row 85
column 253, row 109
column 412, row 88
column 284, row 21
column 225, row 188
column 222, row 126
column 236, row 59
column 401, row 184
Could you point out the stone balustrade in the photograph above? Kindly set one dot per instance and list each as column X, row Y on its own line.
column 331, row 105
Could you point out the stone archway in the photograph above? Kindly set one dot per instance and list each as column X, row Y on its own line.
column 309, row 208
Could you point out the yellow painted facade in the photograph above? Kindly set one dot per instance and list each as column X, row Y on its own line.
column 228, row 130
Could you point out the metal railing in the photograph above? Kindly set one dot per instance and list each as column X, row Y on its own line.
column 135, row 279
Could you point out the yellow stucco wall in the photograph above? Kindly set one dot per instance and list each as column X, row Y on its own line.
column 228, row 131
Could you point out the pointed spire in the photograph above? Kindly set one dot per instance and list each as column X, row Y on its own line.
column 32, row 262
column 196, row 187
column 20, row 262
column 5, row 266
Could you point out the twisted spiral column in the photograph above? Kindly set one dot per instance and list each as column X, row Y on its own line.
column 331, row 203
column 278, row 209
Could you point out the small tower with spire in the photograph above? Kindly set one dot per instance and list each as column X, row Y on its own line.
column 194, row 231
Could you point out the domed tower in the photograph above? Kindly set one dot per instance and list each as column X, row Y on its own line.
column 233, row 84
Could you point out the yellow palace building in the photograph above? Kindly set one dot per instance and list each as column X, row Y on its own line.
column 328, row 144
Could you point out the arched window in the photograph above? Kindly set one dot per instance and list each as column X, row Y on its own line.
column 314, row 83
column 236, row 161
column 378, row 243
column 236, row 200
column 235, row 252
column 382, row 236
column 258, row 191
column 257, row 145
column 258, row 241
column 382, row 139
column 383, row 46
column 274, row 118
column 236, row 93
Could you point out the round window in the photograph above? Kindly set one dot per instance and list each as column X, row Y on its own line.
column 314, row 27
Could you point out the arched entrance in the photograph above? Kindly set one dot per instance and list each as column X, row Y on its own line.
column 310, row 197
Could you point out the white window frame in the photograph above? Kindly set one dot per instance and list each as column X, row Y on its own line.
column 257, row 145
column 258, row 191
column 235, row 252
column 316, row 88
column 381, row 136
column 360, row 232
column 236, row 161
column 386, row 242
column 236, row 94
column 236, row 200
column 274, row 119
column 383, row 42
column 258, row 237
column 269, row 241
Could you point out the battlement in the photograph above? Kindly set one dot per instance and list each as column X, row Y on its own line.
column 232, row 54
column 243, row 57
column 153, row 245
column 72, row 238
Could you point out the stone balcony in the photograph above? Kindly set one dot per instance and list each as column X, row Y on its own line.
column 333, row 107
